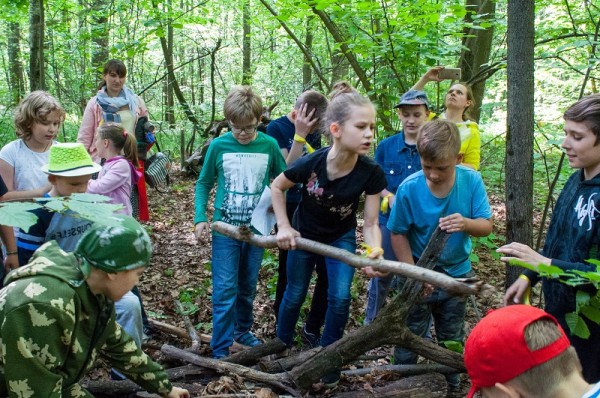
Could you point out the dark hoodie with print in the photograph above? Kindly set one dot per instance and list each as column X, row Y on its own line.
column 574, row 237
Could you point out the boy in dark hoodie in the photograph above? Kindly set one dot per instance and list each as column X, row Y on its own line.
column 573, row 235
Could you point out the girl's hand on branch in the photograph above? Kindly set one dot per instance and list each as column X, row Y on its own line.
column 374, row 253
column 286, row 238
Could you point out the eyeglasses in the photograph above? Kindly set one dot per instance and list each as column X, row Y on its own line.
column 239, row 130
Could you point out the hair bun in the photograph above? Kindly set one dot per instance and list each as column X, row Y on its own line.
column 341, row 87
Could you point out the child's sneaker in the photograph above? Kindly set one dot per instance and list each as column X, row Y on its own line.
column 248, row 339
column 311, row 339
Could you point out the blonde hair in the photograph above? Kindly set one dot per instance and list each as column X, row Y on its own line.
column 341, row 100
column 542, row 380
column 35, row 107
column 121, row 139
column 242, row 105
column 438, row 140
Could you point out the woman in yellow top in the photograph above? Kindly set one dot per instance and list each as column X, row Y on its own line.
column 459, row 99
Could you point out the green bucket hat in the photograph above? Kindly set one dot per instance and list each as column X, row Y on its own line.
column 115, row 248
column 70, row 160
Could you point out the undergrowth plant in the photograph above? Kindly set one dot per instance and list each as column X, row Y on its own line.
column 587, row 304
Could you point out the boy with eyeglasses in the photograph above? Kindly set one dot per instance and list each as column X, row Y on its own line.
column 243, row 161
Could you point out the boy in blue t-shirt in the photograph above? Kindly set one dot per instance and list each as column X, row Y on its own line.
column 398, row 157
column 454, row 198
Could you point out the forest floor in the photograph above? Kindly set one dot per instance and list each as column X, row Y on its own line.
column 180, row 269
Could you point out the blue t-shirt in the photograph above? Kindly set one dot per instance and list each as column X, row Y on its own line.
column 398, row 160
column 283, row 130
column 416, row 214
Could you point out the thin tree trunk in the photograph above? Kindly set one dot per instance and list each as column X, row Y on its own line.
column 246, row 44
column 16, row 82
column 519, row 135
column 308, row 41
column 36, row 43
column 477, row 46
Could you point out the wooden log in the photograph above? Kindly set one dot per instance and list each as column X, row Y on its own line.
column 469, row 286
column 401, row 370
column 287, row 363
column 180, row 332
column 432, row 385
column 252, row 355
column 280, row 381
column 124, row 388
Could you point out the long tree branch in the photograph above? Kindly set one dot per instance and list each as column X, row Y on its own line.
column 409, row 270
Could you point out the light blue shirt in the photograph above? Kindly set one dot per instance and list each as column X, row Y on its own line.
column 416, row 214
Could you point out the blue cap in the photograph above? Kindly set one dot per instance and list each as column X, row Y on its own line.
column 413, row 97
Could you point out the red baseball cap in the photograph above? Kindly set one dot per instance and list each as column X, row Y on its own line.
column 496, row 350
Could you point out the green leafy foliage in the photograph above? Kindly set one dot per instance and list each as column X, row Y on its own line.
column 92, row 207
column 587, row 305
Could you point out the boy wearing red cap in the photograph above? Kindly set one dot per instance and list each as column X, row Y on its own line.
column 521, row 351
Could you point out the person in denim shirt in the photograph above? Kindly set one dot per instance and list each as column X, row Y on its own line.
column 398, row 157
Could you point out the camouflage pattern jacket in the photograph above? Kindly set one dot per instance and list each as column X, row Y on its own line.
column 52, row 328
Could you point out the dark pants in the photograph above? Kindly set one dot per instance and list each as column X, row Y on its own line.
column 318, row 307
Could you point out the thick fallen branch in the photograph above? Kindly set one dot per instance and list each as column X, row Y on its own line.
column 471, row 286
column 432, row 385
column 250, row 356
column 287, row 363
column 401, row 370
column 280, row 381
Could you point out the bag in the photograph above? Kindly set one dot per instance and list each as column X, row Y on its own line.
column 157, row 170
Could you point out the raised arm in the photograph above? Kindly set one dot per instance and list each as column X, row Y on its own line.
column 432, row 75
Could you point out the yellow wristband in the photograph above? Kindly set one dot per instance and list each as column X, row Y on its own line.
column 302, row 140
column 370, row 249
column 299, row 139
column 527, row 294
column 385, row 203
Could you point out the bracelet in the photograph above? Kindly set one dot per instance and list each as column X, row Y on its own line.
column 302, row 140
column 12, row 253
column 299, row 139
column 385, row 203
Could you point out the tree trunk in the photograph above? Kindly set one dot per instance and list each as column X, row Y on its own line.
column 519, row 136
column 477, row 46
column 246, row 44
column 99, row 29
column 168, row 55
column 308, row 42
column 16, row 82
column 169, row 101
column 36, row 43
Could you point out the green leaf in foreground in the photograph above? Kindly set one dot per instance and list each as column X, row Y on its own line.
column 17, row 214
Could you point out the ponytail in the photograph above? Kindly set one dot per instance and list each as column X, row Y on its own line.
column 121, row 139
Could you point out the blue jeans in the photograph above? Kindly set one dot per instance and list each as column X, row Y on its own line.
column 300, row 265
column 129, row 316
column 379, row 287
column 235, row 267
